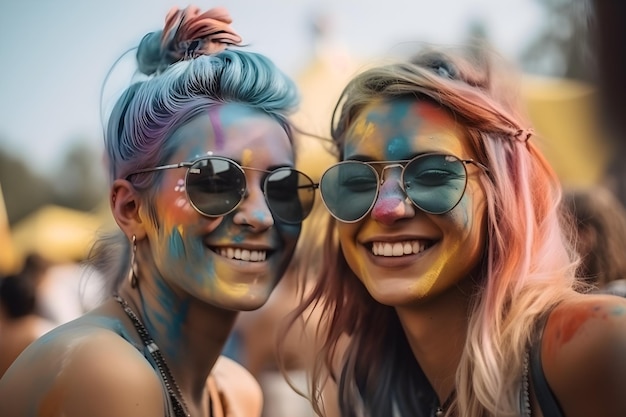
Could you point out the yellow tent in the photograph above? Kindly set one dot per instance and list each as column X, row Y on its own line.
column 58, row 233
column 8, row 259
column 564, row 114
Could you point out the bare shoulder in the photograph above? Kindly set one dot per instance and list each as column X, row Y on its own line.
column 81, row 370
column 584, row 355
column 238, row 391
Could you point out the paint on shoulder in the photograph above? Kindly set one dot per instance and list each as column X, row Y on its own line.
column 566, row 322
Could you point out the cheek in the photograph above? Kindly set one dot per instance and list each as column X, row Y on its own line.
column 468, row 220
column 174, row 204
column 463, row 214
column 181, row 248
column 345, row 230
column 172, row 247
column 290, row 233
column 469, row 213
column 346, row 233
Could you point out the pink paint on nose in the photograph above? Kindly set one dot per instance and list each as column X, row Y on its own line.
column 390, row 203
column 388, row 209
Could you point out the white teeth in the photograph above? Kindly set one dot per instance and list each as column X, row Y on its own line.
column 397, row 248
column 408, row 249
column 243, row 254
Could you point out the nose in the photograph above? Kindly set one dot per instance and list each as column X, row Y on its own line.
column 392, row 203
column 253, row 210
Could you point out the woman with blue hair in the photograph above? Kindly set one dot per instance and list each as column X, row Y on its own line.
column 203, row 186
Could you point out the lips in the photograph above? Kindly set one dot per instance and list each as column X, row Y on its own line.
column 240, row 254
column 402, row 248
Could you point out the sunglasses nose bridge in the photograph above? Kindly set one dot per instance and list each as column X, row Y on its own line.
column 381, row 175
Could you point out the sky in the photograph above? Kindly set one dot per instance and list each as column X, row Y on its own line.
column 56, row 54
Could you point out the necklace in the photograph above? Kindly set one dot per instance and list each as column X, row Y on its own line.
column 441, row 409
column 525, row 395
column 180, row 408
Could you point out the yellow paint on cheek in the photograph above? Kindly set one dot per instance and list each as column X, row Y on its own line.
column 246, row 157
column 238, row 290
column 230, row 289
column 437, row 271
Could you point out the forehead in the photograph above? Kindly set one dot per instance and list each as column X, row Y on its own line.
column 234, row 131
column 401, row 128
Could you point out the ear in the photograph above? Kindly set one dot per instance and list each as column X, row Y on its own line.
column 125, row 204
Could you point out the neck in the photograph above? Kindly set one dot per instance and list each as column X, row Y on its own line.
column 436, row 330
column 189, row 333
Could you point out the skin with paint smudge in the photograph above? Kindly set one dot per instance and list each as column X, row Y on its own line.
column 401, row 130
column 184, row 240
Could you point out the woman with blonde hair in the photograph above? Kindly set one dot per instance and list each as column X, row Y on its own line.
column 448, row 286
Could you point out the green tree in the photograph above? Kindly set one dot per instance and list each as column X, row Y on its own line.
column 79, row 178
column 24, row 190
column 562, row 47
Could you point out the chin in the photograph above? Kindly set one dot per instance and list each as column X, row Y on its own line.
column 248, row 303
column 396, row 300
column 395, row 293
column 253, row 297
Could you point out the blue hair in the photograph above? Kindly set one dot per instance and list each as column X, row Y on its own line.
column 149, row 111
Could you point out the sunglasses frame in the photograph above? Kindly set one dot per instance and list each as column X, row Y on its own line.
column 400, row 163
column 242, row 192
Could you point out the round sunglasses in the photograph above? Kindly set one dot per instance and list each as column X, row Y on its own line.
column 216, row 186
column 434, row 183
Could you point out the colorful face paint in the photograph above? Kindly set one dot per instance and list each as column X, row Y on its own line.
column 401, row 253
column 233, row 261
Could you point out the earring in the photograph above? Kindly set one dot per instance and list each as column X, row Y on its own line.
column 132, row 274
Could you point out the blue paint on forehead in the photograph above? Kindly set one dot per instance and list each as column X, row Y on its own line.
column 397, row 148
column 398, row 145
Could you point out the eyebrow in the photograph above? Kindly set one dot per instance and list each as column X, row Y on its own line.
column 361, row 158
column 365, row 158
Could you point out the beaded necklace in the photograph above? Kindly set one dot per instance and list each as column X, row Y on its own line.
column 180, row 408
column 525, row 394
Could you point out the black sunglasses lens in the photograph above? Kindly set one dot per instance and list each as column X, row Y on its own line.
column 435, row 183
column 349, row 190
column 215, row 186
column 290, row 195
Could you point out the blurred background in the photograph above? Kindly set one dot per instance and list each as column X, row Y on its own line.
column 57, row 55
column 65, row 62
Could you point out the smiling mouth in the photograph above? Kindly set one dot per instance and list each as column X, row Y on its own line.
column 396, row 249
column 242, row 254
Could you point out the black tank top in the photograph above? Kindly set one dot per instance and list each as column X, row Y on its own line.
column 547, row 401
